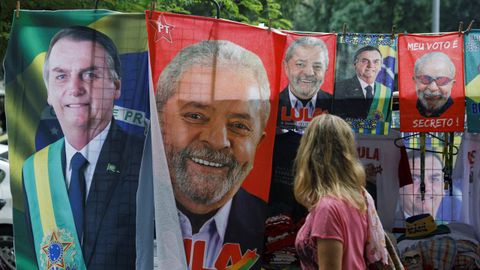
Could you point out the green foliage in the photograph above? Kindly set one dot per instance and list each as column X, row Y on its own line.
column 246, row 11
column 378, row 16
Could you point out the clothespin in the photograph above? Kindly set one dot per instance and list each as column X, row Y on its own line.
column 269, row 24
column 344, row 33
column 18, row 9
column 153, row 7
column 96, row 4
column 460, row 26
column 392, row 37
column 218, row 8
column 470, row 26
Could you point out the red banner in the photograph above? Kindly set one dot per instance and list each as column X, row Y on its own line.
column 308, row 75
column 216, row 83
column 431, row 87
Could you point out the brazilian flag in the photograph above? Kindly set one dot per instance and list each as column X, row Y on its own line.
column 472, row 80
column 31, row 122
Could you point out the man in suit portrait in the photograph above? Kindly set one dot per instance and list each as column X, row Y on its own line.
column 353, row 96
column 213, row 106
column 305, row 64
column 410, row 195
column 86, row 218
column 434, row 75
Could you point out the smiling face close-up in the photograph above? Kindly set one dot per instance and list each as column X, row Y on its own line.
column 367, row 65
column 211, row 128
column 306, row 71
column 80, row 86
column 434, row 83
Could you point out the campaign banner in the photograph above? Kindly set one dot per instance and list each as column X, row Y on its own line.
column 307, row 80
column 430, row 80
column 215, row 83
column 307, row 76
column 386, row 167
column 443, row 198
column 77, row 111
column 472, row 80
column 364, row 81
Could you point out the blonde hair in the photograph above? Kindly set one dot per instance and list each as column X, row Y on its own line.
column 327, row 164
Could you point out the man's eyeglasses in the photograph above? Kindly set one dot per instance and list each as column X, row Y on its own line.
column 440, row 81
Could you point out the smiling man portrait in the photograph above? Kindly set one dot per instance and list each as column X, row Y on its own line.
column 434, row 75
column 305, row 64
column 213, row 105
column 92, row 183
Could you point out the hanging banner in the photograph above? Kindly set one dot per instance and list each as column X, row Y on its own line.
column 439, row 202
column 386, row 167
column 431, row 83
column 472, row 80
column 364, row 81
column 307, row 77
column 215, row 84
column 307, row 91
column 76, row 86
column 466, row 172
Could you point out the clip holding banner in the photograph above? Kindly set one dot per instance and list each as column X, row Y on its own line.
column 469, row 26
column 393, row 32
column 153, row 7
column 218, row 8
column 18, row 9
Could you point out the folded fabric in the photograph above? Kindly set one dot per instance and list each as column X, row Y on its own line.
column 439, row 252
column 375, row 247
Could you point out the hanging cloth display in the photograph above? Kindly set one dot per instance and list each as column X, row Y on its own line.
column 364, row 81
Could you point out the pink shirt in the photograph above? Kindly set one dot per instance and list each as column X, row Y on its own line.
column 333, row 218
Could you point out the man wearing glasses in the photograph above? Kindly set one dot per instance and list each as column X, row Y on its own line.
column 353, row 97
column 433, row 76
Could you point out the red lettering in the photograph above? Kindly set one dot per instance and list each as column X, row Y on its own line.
column 302, row 114
column 471, row 157
column 364, row 152
column 198, row 255
column 284, row 116
column 187, row 244
column 319, row 111
column 230, row 253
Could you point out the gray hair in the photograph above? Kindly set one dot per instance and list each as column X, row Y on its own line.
column 307, row 41
column 434, row 57
column 83, row 33
column 212, row 53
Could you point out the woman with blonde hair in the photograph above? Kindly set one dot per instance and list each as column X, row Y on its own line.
column 329, row 182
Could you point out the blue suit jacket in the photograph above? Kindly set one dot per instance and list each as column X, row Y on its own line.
column 109, row 233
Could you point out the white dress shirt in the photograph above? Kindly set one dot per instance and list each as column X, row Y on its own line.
column 212, row 232
column 364, row 85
